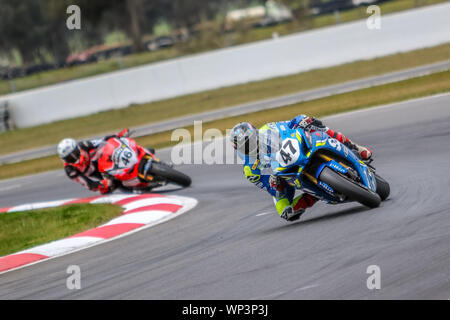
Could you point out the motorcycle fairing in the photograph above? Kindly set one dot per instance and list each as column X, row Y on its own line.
column 296, row 150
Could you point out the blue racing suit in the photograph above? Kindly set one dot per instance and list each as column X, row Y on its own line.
column 258, row 172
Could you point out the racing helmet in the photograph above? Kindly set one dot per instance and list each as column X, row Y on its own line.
column 244, row 138
column 69, row 151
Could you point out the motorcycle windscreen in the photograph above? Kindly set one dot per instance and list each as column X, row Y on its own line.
column 116, row 155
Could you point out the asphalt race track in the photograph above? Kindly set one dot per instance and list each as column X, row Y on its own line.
column 234, row 246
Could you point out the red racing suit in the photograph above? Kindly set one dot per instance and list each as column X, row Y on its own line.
column 85, row 171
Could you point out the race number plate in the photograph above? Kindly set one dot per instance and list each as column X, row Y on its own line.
column 124, row 157
column 289, row 152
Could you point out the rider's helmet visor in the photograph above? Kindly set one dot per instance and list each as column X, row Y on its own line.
column 73, row 157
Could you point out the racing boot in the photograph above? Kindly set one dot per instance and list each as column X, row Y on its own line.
column 303, row 202
column 285, row 209
column 363, row 152
column 289, row 214
column 293, row 211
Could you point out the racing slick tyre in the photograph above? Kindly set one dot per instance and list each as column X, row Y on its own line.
column 349, row 188
column 161, row 169
column 383, row 188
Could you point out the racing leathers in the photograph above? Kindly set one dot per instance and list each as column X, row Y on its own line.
column 256, row 171
column 85, row 170
column 311, row 124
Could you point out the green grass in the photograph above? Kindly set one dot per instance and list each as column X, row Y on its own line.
column 211, row 41
column 389, row 93
column 360, row 99
column 115, row 120
column 22, row 230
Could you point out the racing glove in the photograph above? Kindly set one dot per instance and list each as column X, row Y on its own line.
column 277, row 183
column 305, row 122
column 105, row 186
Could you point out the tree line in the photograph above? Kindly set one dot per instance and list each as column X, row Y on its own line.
column 36, row 29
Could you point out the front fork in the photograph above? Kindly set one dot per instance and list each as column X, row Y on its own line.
column 145, row 169
column 350, row 170
column 145, row 166
column 345, row 169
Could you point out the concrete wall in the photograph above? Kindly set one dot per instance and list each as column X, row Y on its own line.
column 320, row 48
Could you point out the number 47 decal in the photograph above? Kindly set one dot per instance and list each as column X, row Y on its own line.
column 287, row 156
column 289, row 152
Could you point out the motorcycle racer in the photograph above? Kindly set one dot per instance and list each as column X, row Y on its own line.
column 253, row 145
column 81, row 165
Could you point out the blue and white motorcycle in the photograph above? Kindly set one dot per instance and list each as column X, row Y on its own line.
column 325, row 168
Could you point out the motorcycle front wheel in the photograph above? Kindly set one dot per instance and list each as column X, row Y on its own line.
column 160, row 169
column 350, row 188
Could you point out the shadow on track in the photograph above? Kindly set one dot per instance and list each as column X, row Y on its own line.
column 301, row 223
column 156, row 190
column 172, row 189
column 334, row 215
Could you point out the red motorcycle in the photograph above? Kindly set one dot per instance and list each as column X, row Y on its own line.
column 134, row 168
